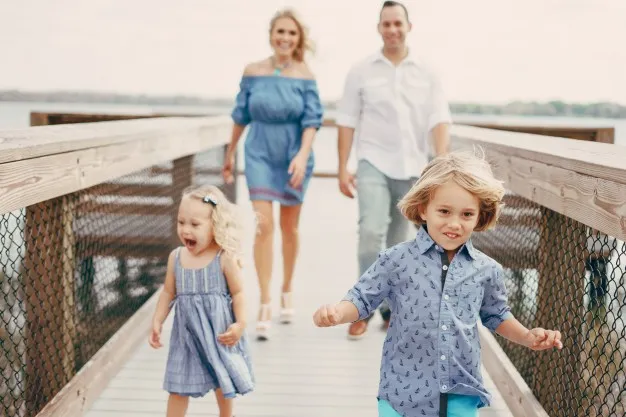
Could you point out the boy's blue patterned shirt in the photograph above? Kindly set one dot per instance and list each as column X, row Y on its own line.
column 432, row 344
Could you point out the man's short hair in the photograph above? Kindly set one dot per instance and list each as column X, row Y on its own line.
column 392, row 3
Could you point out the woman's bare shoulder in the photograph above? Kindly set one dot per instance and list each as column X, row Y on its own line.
column 256, row 68
column 304, row 71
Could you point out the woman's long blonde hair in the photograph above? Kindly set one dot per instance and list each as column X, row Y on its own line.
column 305, row 43
column 227, row 226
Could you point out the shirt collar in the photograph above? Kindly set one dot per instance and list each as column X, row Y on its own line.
column 424, row 243
column 410, row 58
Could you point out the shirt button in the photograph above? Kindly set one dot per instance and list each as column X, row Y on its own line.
column 444, row 327
column 437, row 247
column 443, row 357
column 444, row 387
column 445, row 267
column 446, row 297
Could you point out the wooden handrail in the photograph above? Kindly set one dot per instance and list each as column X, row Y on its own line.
column 40, row 163
column 592, row 134
column 582, row 180
column 34, row 142
column 601, row 160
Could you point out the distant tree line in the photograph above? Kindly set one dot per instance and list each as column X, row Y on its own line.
column 532, row 108
column 550, row 108
column 108, row 98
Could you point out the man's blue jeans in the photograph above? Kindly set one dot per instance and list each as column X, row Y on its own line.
column 381, row 225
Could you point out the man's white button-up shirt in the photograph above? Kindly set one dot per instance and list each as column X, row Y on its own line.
column 393, row 109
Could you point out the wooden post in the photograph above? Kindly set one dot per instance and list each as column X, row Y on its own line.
column 230, row 190
column 605, row 135
column 50, row 264
column 182, row 177
column 561, row 289
column 39, row 119
column 49, row 291
column 68, row 243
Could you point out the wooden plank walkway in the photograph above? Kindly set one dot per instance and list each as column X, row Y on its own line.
column 303, row 371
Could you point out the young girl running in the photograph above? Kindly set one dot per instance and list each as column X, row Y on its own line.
column 439, row 286
column 208, row 347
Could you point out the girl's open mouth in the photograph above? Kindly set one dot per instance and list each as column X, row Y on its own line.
column 190, row 243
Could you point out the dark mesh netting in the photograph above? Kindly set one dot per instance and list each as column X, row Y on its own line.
column 75, row 268
column 562, row 274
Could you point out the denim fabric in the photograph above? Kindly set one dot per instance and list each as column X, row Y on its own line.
column 432, row 344
column 381, row 225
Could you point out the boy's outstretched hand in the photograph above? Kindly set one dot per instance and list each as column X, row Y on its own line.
column 542, row 339
column 328, row 315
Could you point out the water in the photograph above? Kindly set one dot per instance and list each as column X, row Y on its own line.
column 17, row 115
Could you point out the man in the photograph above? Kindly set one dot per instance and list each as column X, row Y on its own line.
column 402, row 117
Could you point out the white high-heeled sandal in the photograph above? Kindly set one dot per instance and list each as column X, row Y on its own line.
column 286, row 311
column 264, row 324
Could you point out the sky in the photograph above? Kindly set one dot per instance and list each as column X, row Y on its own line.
column 489, row 51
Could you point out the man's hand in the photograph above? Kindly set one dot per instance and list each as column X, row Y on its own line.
column 347, row 183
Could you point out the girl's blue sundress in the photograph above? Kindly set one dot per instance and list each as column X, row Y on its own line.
column 277, row 110
column 197, row 363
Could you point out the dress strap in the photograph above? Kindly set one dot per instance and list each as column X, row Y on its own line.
column 177, row 257
column 220, row 272
column 218, row 259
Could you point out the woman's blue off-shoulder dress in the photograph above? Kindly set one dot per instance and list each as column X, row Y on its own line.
column 276, row 109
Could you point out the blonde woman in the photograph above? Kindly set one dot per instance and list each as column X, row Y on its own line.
column 208, row 345
column 279, row 101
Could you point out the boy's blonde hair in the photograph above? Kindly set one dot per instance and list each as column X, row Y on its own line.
column 227, row 230
column 469, row 171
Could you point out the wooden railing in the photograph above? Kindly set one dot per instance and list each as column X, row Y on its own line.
column 565, row 192
column 72, row 194
column 590, row 134
column 564, row 219
column 576, row 191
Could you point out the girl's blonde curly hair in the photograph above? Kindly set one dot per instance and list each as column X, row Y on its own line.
column 225, row 216
column 468, row 170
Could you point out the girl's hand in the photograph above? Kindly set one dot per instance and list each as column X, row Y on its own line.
column 326, row 316
column 297, row 169
column 155, row 336
column 542, row 339
column 232, row 335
